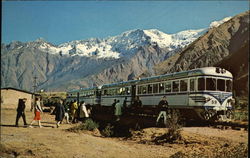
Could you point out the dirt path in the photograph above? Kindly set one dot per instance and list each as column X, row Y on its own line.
column 57, row 142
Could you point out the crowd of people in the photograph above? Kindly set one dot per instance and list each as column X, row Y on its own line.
column 74, row 112
column 71, row 112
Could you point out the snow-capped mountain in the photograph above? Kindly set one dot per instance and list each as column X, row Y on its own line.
column 218, row 23
column 123, row 45
column 83, row 63
column 127, row 43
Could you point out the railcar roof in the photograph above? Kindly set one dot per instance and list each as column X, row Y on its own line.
column 194, row 72
column 212, row 71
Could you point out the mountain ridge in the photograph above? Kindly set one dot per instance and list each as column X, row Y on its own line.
column 132, row 53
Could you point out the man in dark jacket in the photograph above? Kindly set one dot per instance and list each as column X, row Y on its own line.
column 59, row 113
column 137, row 102
column 21, row 111
column 163, row 107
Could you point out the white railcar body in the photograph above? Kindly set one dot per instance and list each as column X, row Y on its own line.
column 206, row 91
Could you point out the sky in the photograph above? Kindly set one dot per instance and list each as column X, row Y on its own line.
column 62, row 21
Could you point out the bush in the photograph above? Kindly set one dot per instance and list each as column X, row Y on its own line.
column 108, row 131
column 174, row 130
column 241, row 115
column 89, row 125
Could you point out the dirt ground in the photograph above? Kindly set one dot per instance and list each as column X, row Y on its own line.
column 50, row 141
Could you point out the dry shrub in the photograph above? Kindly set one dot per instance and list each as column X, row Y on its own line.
column 108, row 131
column 174, row 129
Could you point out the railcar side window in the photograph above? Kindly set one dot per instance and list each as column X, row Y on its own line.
column 127, row 90
column 155, row 88
column 211, row 84
column 161, row 88
column 221, row 85
column 192, row 84
column 122, row 91
column 139, row 90
column 183, row 85
column 176, row 85
column 229, row 85
column 105, row 92
column 201, row 84
column 150, row 89
column 142, row 90
column 168, row 87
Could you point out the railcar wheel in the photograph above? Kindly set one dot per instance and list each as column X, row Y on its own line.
column 208, row 115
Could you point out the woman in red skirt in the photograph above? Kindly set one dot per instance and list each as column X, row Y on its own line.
column 38, row 111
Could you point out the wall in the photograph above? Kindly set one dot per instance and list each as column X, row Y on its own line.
column 10, row 97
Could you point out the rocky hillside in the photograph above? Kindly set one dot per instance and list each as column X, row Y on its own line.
column 85, row 63
column 226, row 45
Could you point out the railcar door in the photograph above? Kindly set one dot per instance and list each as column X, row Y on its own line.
column 133, row 93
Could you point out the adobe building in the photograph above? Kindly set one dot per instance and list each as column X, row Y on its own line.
column 10, row 97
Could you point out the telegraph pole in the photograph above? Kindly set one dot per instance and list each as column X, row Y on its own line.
column 34, row 91
column 35, row 78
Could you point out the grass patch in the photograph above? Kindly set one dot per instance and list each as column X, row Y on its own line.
column 88, row 125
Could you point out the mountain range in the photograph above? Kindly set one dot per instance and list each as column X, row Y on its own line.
column 226, row 46
column 84, row 63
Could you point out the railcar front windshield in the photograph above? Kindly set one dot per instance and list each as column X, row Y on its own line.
column 214, row 84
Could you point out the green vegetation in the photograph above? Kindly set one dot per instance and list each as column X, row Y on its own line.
column 89, row 125
column 241, row 103
column 241, row 115
column 241, row 109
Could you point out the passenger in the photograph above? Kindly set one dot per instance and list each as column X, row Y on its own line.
column 66, row 114
column 137, row 102
column 89, row 110
column 83, row 112
column 21, row 111
column 60, row 112
column 38, row 110
column 118, row 110
column 163, row 107
column 113, row 106
column 74, row 108
column 70, row 110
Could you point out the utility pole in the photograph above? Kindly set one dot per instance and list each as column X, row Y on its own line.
column 35, row 78
column 34, row 91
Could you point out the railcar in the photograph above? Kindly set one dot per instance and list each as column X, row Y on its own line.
column 203, row 93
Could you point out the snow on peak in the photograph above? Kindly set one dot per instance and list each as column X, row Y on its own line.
column 126, row 43
column 173, row 41
column 217, row 23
